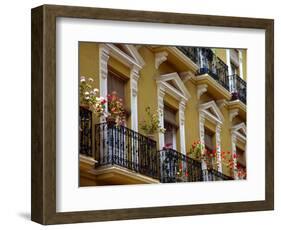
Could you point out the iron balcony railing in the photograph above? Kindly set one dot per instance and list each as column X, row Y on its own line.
column 190, row 52
column 118, row 145
column 177, row 167
column 209, row 63
column 238, row 88
column 85, row 130
column 214, row 175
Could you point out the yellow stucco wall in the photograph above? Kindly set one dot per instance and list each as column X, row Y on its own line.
column 221, row 53
column 147, row 92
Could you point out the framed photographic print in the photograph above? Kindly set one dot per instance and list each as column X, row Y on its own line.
column 139, row 114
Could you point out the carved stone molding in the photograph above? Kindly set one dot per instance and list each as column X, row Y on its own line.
column 186, row 76
column 233, row 113
column 201, row 89
column 221, row 103
column 160, row 58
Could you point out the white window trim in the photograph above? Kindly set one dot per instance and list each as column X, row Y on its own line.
column 235, row 135
column 135, row 64
column 182, row 95
column 216, row 119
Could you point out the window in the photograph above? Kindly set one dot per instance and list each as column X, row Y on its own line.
column 117, row 84
column 170, row 124
column 209, row 140
column 234, row 68
column 241, row 163
column 234, row 61
column 209, row 135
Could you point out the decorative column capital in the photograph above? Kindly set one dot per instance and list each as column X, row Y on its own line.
column 135, row 73
column 234, row 138
column 218, row 128
column 104, row 56
column 182, row 105
column 202, row 118
column 104, row 53
column 160, row 58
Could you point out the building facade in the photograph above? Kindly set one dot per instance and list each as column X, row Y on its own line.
column 200, row 97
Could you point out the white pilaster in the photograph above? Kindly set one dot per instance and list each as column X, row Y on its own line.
column 103, row 71
column 160, row 95
column 233, row 141
column 134, row 98
column 228, row 62
column 181, row 126
column 240, row 64
column 202, row 141
column 218, row 147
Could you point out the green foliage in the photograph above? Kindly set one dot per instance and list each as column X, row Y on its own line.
column 151, row 124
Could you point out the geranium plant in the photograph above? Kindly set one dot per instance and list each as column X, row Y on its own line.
column 89, row 98
column 182, row 174
column 151, row 124
column 116, row 110
column 196, row 150
column 228, row 159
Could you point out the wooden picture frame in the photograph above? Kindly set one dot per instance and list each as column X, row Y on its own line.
column 43, row 208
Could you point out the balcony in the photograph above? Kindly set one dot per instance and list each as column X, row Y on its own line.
column 122, row 147
column 85, row 129
column 238, row 88
column 190, row 52
column 212, row 65
column 177, row 167
column 123, row 156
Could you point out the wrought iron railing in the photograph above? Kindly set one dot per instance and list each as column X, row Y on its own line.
column 190, row 52
column 176, row 167
column 214, row 175
column 238, row 88
column 222, row 73
column 85, row 131
column 208, row 63
column 118, row 145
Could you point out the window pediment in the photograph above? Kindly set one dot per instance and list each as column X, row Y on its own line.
column 212, row 111
column 174, row 85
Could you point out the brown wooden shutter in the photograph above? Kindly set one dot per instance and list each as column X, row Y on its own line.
column 170, row 116
column 117, row 84
column 209, row 140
